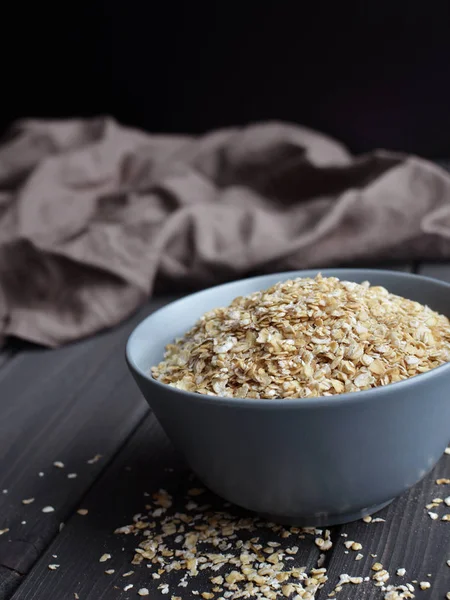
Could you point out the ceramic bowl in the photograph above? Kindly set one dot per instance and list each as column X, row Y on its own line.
column 318, row 461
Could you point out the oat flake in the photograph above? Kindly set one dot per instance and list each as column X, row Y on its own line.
column 306, row 338
column 104, row 557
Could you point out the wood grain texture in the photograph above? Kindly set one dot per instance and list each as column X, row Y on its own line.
column 76, row 402
column 119, row 494
column 11, row 348
column 59, row 405
column 409, row 538
column 436, row 270
column 9, row 581
column 4, row 357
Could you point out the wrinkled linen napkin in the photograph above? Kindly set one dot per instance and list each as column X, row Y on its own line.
column 91, row 212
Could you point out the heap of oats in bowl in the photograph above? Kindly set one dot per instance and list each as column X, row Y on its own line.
column 305, row 338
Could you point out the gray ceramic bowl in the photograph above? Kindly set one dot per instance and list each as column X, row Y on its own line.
column 317, row 461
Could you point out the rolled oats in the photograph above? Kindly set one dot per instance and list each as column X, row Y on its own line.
column 306, row 338
column 242, row 556
column 104, row 557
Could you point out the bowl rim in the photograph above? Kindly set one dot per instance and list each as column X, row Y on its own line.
column 316, row 401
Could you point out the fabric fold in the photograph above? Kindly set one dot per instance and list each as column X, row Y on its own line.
column 93, row 213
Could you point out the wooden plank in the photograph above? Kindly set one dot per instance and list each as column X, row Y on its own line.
column 9, row 581
column 147, row 464
column 408, row 539
column 438, row 270
column 5, row 355
column 11, row 348
column 84, row 539
column 406, row 267
column 63, row 405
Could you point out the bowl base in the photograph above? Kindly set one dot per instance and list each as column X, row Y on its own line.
column 325, row 520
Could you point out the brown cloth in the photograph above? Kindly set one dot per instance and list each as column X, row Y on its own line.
column 91, row 212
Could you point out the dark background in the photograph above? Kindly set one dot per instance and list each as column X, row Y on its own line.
column 369, row 73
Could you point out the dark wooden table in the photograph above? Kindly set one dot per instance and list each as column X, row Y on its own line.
column 79, row 406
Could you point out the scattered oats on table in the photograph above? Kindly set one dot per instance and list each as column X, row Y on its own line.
column 240, row 556
column 351, row 545
column 399, row 592
column 307, row 338
column 95, row 459
column 380, row 577
column 104, row 557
